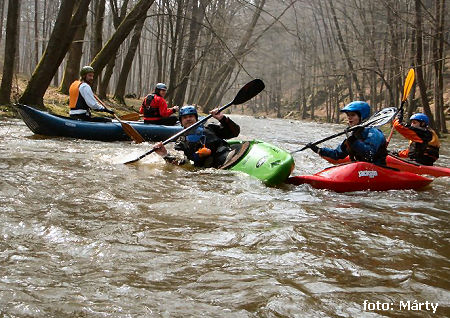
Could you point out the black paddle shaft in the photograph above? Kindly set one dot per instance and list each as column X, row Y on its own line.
column 247, row 92
column 330, row 137
column 379, row 118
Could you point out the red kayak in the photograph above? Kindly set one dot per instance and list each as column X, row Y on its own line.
column 405, row 165
column 360, row 176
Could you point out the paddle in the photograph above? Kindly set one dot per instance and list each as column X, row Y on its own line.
column 378, row 119
column 127, row 128
column 247, row 92
column 131, row 117
column 406, row 89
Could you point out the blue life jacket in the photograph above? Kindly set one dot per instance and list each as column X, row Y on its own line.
column 197, row 135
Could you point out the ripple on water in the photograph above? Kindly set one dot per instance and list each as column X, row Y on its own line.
column 85, row 235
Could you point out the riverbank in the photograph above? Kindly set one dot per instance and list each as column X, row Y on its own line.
column 58, row 103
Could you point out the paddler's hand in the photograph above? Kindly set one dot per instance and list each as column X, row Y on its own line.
column 400, row 115
column 106, row 110
column 160, row 149
column 215, row 113
column 313, row 147
column 175, row 108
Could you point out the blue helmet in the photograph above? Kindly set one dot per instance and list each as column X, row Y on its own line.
column 420, row 117
column 187, row 110
column 359, row 107
column 161, row 86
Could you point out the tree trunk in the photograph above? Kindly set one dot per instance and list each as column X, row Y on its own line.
column 103, row 85
column 2, row 11
column 58, row 45
column 44, row 31
column 128, row 61
column 36, row 33
column 229, row 65
column 419, row 67
column 412, row 104
column 346, row 52
column 17, row 57
column 438, row 55
column 124, row 29
column 176, row 38
column 73, row 61
column 10, row 51
column 98, row 28
column 159, row 46
column 198, row 14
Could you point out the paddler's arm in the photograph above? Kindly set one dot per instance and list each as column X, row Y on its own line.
column 91, row 101
column 339, row 153
column 227, row 129
column 331, row 155
column 161, row 150
column 412, row 133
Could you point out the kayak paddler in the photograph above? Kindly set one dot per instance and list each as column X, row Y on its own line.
column 154, row 108
column 82, row 99
column 205, row 145
column 423, row 141
column 363, row 144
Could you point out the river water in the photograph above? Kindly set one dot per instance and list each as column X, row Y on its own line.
column 83, row 235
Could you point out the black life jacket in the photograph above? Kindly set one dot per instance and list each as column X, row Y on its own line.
column 426, row 152
column 150, row 109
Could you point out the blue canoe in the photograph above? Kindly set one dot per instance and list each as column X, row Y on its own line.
column 43, row 123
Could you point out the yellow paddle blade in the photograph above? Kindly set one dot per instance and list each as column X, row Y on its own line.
column 130, row 117
column 408, row 84
column 130, row 131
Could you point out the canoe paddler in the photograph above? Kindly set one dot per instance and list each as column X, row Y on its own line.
column 205, row 145
column 82, row 98
column 154, row 108
column 423, row 141
column 363, row 144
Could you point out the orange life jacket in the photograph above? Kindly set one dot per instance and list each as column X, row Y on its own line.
column 77, row 104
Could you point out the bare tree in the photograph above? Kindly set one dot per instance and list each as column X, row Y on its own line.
column 10, row 50
column 198, row 13
column 419, row 61
column 126, row 66
column 123, row 30
column 58, row 45
column 73, row 61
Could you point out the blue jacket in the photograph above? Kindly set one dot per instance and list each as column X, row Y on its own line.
column 367, row 145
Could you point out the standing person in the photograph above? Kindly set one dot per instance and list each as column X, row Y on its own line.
column 82, row 99
column 423, row 141
column 364, row 144
column 205, row 146
column 154, row 108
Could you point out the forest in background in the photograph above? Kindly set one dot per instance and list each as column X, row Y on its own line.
column 313, row 55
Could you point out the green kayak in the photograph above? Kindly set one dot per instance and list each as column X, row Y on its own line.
column 261, row 160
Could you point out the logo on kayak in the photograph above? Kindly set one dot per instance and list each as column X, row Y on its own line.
column 70, row 124
column 261, row 161
column 367, row 173
column 275, row 163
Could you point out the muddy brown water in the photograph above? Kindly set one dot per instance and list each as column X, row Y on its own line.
column 83, row 235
